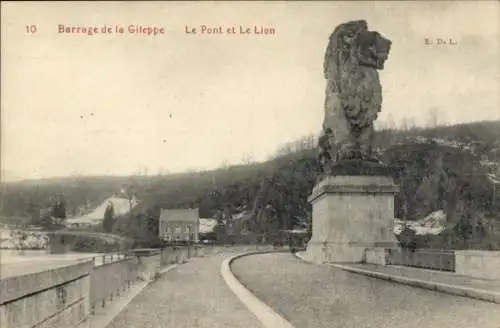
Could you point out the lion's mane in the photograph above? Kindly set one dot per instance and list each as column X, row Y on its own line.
column 353, row 96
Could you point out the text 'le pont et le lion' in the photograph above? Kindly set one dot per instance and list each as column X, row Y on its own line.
column 234, row 29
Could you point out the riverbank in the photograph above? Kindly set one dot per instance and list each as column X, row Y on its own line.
column 23, row 239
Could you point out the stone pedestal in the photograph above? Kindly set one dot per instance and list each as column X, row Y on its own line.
column 350, row 215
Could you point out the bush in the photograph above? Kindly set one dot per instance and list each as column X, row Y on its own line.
column 407, row 239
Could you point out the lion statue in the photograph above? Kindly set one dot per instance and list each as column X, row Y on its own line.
column 353, row 93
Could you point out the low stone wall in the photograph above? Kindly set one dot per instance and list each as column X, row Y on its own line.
column 199, row 251
column 243, row 248
column 377, row 255
column 471, row 263
column 52, row 298
column 183, row 255
column 66, row 296
column 110, row 280
column 168, row 256
column 179, row 254
column 148, row 267
column 478, row 264
column 443, row 260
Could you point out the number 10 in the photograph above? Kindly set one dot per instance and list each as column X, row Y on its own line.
column 30, row 29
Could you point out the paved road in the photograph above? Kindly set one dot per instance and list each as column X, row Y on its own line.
column 315, row 296
column 193, row 295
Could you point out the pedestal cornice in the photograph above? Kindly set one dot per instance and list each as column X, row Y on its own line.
column 354, row 185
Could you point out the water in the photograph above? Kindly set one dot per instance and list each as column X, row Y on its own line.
column 8, row 256
column 15, row 262
column 34, row 239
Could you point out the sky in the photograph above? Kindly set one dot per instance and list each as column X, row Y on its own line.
column 116, row 104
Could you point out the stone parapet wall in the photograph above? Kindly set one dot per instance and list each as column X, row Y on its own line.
column 52, row 298
column 148, row 267
column 478, row 264
column 66, row 296
column 443, row 260
column 110, row 279
column 176, row 255
column 377, row 255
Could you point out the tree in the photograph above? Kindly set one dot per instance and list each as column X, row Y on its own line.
column 405, row 124
column 130, row 192
column 225, row 164
column 407, row 238
column 390, row 122
column 108, row 221
column 247, row 159
column 34, row 212
column 432, row 120
column 59, row 209
column 285, row 149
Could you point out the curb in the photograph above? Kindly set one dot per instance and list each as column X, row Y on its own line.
column 474, row 293
column 267, row 316
column 166, row 269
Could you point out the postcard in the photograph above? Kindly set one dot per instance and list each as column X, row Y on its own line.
column 274, row 164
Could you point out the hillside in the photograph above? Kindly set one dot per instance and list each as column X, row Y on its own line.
column 442, row 168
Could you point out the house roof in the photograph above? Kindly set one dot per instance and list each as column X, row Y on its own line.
column 207, row 225
column 179, row 215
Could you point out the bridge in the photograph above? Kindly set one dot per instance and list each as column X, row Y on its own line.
column 108, row 237
column 62, row 241
column 247, row 286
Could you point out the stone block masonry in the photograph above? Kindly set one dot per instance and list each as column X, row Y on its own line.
column 52, row 298
column 478, row 264
column 67, row 295
column 351, row 214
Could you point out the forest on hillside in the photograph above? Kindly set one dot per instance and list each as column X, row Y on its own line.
column 444, row 167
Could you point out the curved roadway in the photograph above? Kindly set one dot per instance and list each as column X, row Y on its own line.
column 193, row 295
column 315, row 296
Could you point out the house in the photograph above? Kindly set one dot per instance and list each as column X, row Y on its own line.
column 179, row 225
column 207, row 225
column 121, row 206
column 206, row 231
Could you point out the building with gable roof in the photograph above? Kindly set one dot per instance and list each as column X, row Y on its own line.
column 179, row 225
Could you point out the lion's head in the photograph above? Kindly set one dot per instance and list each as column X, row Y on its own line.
column 352, row 42
column 353, row 91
